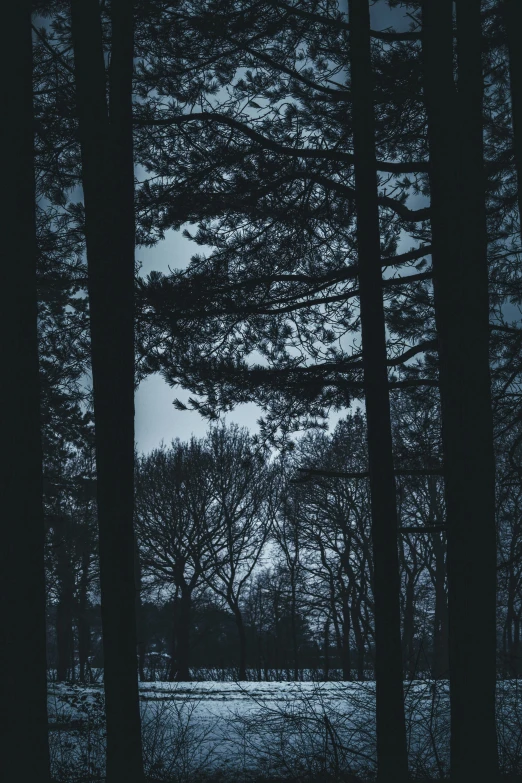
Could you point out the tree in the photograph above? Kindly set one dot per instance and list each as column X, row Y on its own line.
column 23, row 721
column 108, row 185
column 286, row 521
column 69, row 491
column 240, row 483
column 275, row 200
column 177, row 533
column 335, row 521
column 392, row 759
column 460, row 268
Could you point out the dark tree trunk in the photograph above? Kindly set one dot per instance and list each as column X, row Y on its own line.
column 359, row 640
column 24, row 752
column 293, row 619
column 64, row 636
column 440, row 631
column 392, row 761
column 84, row 628
column 345, row 652
column 509, row 647
column 459, row 241
column 326, row 651
column 108, row 186
column 440, row 665
column 513, row 24
column 409, row 628
column 174, row 641
column 259, row 656
column 65, row 608
column 140, row 619
column 242, row 642
column 515, row 650
column 505, row 662
column 84, row 647
column 183, row 637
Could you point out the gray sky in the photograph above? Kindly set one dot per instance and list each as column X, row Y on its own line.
column 156, row 417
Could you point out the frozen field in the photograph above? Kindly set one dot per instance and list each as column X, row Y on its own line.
column 268, row 727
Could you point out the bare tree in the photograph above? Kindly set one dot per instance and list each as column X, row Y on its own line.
column 240, row 482
column 287, row 534
column 335, row 527
column 177, row 532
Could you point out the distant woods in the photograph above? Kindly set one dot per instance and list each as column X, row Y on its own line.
column 255, row 567
column 350, row 174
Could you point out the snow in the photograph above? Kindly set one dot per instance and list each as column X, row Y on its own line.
column 268, row 727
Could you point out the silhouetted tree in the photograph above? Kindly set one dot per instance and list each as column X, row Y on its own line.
column 177, row 533
column 24, row 749
column 392, row 759
column 240, row 483
column 286, row 522
column 105, row 133
column 460, row 268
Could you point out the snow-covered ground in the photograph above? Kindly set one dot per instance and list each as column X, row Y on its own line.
column 269, row 727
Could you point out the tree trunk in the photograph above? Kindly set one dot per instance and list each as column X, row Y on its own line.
column 460, row 278
column 259, row 656
column 174, row 640
column 513, row 25
column 345, row 652
column 392, row 760
column 183, row 637
column 293, row 619
column 108, row 186
column 440, row 621
column 359, row 639
column 65, row 608
column 24, row 751
column 140, row 620
column 242, row 642
column 515, row 653
column 509, row 643
column 409, row 628
column 326, row 666
column 64, row 626
column 439, row 664
column 84, row 629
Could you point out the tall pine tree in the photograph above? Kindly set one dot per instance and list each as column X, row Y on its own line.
column 392, row 760
column 108, row 185
column 24, row 752
column 460, row 277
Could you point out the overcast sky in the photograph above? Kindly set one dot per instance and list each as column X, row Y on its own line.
column 156, row 417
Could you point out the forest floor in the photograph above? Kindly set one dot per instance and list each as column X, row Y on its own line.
column 262, row 731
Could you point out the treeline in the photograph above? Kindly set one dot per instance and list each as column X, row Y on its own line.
column 356, row 186
column 258, row 565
